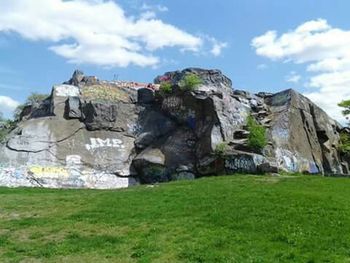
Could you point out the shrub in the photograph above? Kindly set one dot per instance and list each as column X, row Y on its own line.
column 220, row 149
column 344, row 145
column 166, row 87
column 257, row 134
column 190, row 82
column 346, row 105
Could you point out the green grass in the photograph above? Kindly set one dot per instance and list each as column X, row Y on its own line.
column 218, row 219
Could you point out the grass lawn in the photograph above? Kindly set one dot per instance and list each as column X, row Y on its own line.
column 217, row 219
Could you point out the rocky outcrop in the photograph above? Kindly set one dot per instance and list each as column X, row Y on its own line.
column 99, row 134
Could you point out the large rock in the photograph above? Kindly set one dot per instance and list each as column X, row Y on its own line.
column 99, row 134
column 304, row 138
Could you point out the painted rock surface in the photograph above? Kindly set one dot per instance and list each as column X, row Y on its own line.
column 98, row 134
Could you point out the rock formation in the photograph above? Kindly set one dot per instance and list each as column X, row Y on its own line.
column 106, row 134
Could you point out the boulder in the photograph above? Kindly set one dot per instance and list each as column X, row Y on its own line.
column 73, row 108
column 105, row 134
column 145, row 96
column 150, row 166
column 304, row 137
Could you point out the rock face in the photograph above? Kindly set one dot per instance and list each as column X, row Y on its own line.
column 98, row 134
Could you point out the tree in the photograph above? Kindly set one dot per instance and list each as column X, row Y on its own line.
column 344, row 143
column 346, row 105
column 190, row 82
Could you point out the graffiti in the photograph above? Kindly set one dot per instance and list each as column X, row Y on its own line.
column 240, row 163
column 191, row 118
column 96, row 143
column 48, row 171
column 173, row 103
column 164, row 78
column 134, row 128
column 12, row 172
column 293, row 162
column 313, row 169
column 67, row 91
column 71, row 176
column 73, row 160
column 280, row 133
column 288, row 160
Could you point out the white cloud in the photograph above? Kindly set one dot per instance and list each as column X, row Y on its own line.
column 7, row 105
column 325, row 51
column 154, row 8
column 216, row 46
column 293, row 77
column 95, row 31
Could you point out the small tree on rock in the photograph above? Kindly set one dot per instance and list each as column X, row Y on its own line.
column 346, row 105
column 190, row 82
column 257, row 134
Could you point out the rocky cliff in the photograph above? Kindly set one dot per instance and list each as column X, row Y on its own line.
column 109, row 134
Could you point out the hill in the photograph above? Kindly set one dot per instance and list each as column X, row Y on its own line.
column 216, row 219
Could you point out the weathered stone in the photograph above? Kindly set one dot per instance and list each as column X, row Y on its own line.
column 73, row 110
column 184, row 176
column 243, row 162
column 150, row 166
column 242, row 93
column 77, row 77
column 120, row 117
column 145, row 96
column 241, row 134
column 99, row 134
column 268, row 168
column 264, row 94
column 144, row 140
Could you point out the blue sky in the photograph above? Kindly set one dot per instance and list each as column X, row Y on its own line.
column 262, row 45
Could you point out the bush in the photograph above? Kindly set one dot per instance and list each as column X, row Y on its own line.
column 344, row 146
column 220, row 149
column 257, row 134
column 166, row 87
column 190, row 82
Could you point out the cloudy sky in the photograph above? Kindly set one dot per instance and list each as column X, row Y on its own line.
column 262, row 45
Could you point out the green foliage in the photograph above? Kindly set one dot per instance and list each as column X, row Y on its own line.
column 257, row 134
column 220, row 149
column 166, row 87
column 189, row 82
column 345, row 104
column 218, row 219
column 344, row 146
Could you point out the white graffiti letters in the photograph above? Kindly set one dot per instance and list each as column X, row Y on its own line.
column 96, row 143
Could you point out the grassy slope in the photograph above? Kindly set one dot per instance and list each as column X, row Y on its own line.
column 222, row 219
